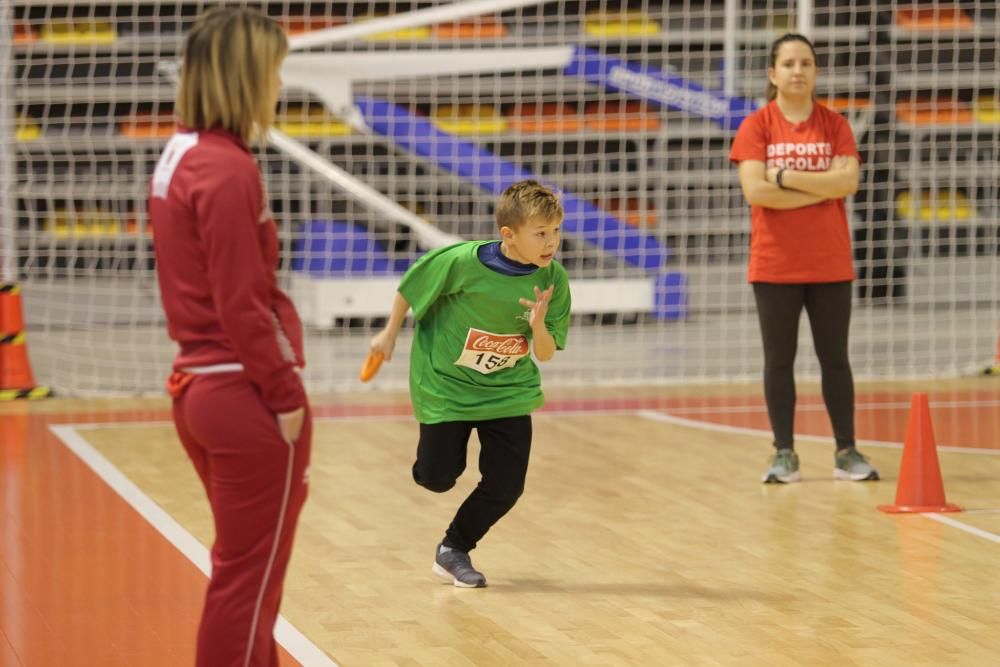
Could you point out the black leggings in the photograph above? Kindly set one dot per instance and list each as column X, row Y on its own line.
column 829, row 308
column 505, row 445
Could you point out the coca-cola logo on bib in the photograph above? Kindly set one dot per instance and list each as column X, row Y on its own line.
column 486, row 352
column 513, row 345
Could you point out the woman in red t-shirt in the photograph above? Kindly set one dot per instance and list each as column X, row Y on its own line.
column 797, row 161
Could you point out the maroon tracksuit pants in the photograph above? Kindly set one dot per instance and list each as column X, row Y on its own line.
column 256, row 484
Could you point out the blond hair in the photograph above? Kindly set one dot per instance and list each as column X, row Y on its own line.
column 229, row 58
column 526, row 200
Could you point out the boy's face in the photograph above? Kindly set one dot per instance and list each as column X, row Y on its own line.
column 534, row 242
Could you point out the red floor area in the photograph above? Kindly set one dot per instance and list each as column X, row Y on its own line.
column 76, row 564
column 961, row 419
column 76, row 560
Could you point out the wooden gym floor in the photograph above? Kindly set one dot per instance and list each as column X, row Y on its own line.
column 644, row 538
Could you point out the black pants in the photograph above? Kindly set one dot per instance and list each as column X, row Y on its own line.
column 505, row 445
column 829, row 308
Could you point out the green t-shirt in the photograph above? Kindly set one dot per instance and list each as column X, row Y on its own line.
column 471, row 357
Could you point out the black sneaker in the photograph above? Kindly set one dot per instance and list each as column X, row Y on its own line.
column 455, row 567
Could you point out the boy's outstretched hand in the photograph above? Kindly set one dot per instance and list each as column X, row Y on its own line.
column 383, row 342
column 539, row 307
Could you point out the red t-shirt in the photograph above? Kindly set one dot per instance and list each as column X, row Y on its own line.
column 811, row 244
column 216, row 254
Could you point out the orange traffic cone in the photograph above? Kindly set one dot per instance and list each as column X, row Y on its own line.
column 920, row 488
column 16, row 379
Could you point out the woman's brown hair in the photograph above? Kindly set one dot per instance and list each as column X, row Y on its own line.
column 229, row 58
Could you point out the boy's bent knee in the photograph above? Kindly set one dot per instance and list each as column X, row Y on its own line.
column 435, row 484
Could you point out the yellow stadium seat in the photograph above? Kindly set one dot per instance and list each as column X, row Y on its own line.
column 948, row 206
column 26, row 129
column 78, row 32
column 987, row 110
column 414, row 34
column 312, row 122
column 620, row 24
column 90, row 222
column 469, row 119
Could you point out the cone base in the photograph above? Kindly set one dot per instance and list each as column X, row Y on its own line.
column 29, row 394
column 915, row 509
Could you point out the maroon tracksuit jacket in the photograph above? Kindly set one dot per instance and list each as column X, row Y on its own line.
column 240, row 348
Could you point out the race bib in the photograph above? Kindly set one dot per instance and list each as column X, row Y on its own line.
column 489, row 352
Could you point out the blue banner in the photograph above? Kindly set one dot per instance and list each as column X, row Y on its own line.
column 494, row 175
column 653, row 85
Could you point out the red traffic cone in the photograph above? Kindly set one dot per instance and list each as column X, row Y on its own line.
column 16, row 378
column 920, row 488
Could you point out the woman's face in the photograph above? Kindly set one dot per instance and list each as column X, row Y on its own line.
column 794, row 72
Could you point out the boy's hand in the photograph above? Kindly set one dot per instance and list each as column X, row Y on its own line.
column 384, row 342
column 539, row 307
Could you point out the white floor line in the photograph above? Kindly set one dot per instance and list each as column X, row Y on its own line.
column 972, row 530
column 655, row 415
column 297, row 644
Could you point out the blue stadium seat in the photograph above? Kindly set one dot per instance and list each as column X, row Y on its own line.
column 338, row 248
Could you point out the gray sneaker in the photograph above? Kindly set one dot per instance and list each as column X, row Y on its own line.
column 455, row 567
column 784, row 468
column 853, row 465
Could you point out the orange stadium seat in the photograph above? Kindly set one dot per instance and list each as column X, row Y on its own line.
column 631, row 210
column 617, row 116
column 842, row 104
column 935, row 17
column 24, row 34
column 486, row 27
column 297, row 25
column 550, row 117
column 934, row 111
column 149, row 126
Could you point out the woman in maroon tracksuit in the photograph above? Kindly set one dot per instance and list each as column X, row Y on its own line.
column 239, row 405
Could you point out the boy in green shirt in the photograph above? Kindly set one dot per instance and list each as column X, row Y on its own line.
column 481, row 308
